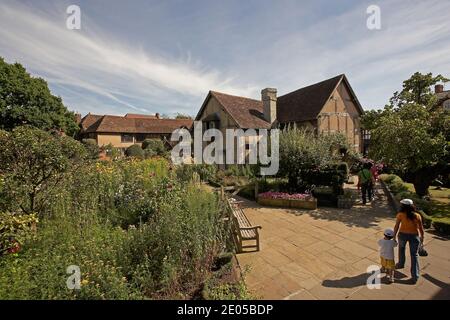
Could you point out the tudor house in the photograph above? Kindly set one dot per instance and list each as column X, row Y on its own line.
column 124, row 131
column 328, row 106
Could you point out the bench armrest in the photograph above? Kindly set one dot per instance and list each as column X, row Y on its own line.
column 250, row 228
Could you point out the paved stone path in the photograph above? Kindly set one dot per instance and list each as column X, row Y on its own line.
column 324, row 254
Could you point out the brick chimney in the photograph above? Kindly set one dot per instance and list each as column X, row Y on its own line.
column 78, row 118
column 269, row 100
column 439, row 88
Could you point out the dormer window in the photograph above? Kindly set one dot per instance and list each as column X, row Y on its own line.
column 212, row 121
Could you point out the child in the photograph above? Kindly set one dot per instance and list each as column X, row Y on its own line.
column 387, row 245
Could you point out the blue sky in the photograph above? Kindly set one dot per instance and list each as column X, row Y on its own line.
column 163, row 56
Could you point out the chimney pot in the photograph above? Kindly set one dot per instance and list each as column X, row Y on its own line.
column 439, row 88
column 269, row 100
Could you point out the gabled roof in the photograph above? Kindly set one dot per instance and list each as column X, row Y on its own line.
column 89, row 120
column 118, row 124
column 248, row 113
column 306, row 103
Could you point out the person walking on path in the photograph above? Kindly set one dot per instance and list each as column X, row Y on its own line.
column 409, row 228
column 366, row 182
column 387, row 245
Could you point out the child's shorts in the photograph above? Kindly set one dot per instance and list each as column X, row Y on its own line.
column 387, row 263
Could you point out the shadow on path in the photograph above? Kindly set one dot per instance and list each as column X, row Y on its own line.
column 361, row 280
column 367, row 216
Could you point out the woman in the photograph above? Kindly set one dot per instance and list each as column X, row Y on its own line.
column 409, row 227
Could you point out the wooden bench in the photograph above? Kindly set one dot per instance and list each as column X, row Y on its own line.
column 243, row 228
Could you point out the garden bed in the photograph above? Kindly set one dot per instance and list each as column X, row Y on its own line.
column 434, row 212
column 286, row 200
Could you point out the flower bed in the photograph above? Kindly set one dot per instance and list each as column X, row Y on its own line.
column 281, row 199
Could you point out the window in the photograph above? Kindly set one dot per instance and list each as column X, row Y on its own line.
column 213, row 124
column 126, row 138
column 140, row 137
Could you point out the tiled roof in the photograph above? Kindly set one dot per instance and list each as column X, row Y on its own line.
column 141, row 116
column 301, row 105
column 118, row 124
column 442, row 96
column 306, row 103
column 89, row 120
column 248, row 113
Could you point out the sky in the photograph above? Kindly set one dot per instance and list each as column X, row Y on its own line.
column 142, row 56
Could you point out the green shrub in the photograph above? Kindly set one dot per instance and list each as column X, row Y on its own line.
column 39, row 271
column 130, row 226
column 388, row 178
column 92, row 148
column 134, row 151
column 426, row 219
column 239, row 170
column 154, row 147
column 442, row 226
column 112, row 152
column 207, row 172
column 15, row 229
column 305, row 156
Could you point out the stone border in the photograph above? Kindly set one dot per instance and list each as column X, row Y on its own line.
column 391, row 198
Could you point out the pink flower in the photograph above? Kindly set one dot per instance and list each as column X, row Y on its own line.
column 284, row 195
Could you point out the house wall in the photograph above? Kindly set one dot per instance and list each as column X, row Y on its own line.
column 340, row 114
column 115, row 139
column 226, row 122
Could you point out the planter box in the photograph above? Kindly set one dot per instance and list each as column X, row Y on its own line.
column 310, row 204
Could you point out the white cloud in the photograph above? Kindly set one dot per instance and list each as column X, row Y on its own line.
column 99, row 64
column 240, row 56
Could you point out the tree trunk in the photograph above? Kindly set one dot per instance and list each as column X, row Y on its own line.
column 422, row 181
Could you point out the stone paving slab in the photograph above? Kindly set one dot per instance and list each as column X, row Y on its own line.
column 324, row 254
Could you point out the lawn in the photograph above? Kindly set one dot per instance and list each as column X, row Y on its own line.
column 440, row 200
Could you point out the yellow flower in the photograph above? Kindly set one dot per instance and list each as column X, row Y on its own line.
column 84, row 282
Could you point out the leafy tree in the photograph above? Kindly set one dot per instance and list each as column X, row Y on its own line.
column 417, row 89
column 28, row 100
column 370, row 118
column 412, row 137
column 32, row 162
column 182, row 116
column 302, row 151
